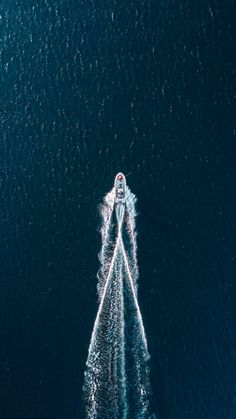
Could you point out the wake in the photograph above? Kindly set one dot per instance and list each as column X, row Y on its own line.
column 116, row 383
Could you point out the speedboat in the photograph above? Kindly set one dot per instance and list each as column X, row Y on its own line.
column 120, row 196
column 120, row 188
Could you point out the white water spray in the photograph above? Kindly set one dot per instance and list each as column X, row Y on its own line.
column 116, row 384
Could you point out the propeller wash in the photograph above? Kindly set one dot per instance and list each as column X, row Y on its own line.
column 116, row 383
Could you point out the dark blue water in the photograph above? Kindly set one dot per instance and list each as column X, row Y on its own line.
column 86, row 89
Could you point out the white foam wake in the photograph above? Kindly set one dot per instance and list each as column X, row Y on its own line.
column 116, row 383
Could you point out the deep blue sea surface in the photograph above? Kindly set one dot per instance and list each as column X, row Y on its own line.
column 88, row 88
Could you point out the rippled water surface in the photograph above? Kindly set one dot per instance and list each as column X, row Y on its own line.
column 87, row 89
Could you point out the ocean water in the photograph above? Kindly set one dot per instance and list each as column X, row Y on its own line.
column 87, row 89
